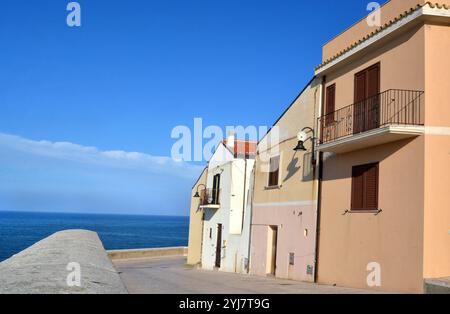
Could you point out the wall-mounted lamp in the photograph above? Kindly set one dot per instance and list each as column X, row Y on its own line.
column 302, row 137
column 197, row 194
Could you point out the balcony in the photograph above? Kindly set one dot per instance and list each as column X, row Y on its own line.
column 210, row 198
column 386, row 117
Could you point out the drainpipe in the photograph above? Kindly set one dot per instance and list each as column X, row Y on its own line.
column 244, row 199
column 203, row 220
column 319, row 187
column 319, row 204
column 251, row 217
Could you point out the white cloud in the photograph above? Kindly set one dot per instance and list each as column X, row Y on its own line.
column 92, row 155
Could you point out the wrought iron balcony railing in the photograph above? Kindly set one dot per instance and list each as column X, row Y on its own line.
column 210, row 197
column 392, row 107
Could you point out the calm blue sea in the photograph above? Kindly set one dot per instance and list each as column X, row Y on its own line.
column 20, row 230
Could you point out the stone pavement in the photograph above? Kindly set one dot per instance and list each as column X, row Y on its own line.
column 171, row 275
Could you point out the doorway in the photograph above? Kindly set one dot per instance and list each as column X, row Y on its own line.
column 216, row 189
column 272, row 239
column 219, row 246
column 366, row 112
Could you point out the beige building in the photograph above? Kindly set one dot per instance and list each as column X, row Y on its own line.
column 196, row 222
column 284, row 213
column 385, row 135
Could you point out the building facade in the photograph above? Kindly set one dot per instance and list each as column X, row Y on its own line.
column 224, row 203
column 284, row 213
column 196, row 223
column 385, row 135
column 366, row 203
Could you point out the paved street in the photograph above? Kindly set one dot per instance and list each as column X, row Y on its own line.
column 171, row 275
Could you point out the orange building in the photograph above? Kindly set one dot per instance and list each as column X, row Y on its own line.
column 385, row 143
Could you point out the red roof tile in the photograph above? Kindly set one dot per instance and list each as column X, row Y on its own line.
column 243, row 148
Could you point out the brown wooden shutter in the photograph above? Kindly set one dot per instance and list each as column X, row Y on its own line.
column 274, row 171
column 365, row 187
column 330, row 104
column 357, row 188
column 367, row 83
column 371, row 187
column 359, row 107
column 360, row 86
column 373, row 84
column 373, row 91
column 366, row 110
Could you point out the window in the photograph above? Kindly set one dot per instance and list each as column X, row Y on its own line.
column 330, row 104
column 365, row 187
column 216, row 190
column 274, row 171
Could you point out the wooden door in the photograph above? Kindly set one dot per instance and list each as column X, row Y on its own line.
column 359, row 106
column 272, row 250
column 330, row 104
column 373, row 95
column 366, row 111
column 219, row 246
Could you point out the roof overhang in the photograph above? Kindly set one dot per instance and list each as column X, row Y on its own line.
column 427, row 12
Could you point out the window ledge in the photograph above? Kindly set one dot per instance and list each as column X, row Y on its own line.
column 275, row 187
column 376, row 212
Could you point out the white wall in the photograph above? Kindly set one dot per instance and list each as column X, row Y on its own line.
column 244, row 247
column 233, row 208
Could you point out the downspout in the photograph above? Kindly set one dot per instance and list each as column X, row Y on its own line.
column 203, row 234
column 319, row 186
column 251, row 217
column 243, row 204
column 203, row 219
column 244, row 198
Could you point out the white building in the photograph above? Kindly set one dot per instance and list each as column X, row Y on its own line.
column 225, row 203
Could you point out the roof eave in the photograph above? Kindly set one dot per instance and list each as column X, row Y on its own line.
column 410, row 17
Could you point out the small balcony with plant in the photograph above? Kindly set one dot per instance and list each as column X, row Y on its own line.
column 209, row 198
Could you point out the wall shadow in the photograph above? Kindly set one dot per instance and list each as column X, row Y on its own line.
column 292, row 168
column 335, row 165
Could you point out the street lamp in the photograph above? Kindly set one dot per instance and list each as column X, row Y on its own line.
column 197, row 195
column 302, row 137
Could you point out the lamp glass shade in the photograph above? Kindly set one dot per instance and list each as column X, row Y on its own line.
column 302, row 136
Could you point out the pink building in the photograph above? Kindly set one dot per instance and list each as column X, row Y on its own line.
column 283, row 230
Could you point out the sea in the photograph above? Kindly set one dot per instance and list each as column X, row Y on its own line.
column 19, row 230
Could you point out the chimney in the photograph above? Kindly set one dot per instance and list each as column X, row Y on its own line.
column 231, row 139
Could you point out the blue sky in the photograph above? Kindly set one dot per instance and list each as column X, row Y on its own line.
column 87, row 113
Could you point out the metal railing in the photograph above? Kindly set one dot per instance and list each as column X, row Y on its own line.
column 210, row 197
column 392, row 107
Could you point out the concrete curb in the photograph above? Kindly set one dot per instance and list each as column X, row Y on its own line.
column 437, row 286
column 147, row 253
column 43, row 267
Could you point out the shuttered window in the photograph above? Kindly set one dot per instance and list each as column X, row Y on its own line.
column 365, row 187
column 330, row 104
column 274, row 171
column 366, row 113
